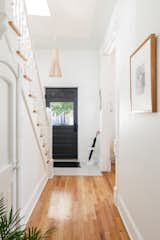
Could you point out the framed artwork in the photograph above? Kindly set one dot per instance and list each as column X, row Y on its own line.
column 143, row 77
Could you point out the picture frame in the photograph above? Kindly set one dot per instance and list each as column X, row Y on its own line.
column 143, row 89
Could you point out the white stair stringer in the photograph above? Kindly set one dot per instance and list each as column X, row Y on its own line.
column 18, row 34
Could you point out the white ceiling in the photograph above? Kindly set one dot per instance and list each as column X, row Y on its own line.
column 78, row 24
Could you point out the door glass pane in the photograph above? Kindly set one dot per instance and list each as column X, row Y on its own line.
column 63, row 113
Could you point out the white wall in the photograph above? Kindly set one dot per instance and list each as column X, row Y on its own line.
column 107, row 115
column 79, row 69
column 33, row 174
column 139, row 152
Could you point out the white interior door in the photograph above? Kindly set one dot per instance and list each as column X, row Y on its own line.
column 7, row 134
column 5, row 161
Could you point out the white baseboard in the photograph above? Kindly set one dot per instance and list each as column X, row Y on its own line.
column 27, row 210
column 128, row 221
column 87, row 171
column 116, row 195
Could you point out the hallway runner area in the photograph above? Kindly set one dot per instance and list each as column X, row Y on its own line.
column 81, row 208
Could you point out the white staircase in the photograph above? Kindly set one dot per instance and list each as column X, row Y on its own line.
column 21, row 46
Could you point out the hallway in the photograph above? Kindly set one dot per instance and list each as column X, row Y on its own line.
column 88, row 83
column 81, row 208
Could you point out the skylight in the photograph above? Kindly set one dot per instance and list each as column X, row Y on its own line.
column 38, row 8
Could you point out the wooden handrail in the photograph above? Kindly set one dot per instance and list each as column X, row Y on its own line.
column 14, row 28
column 21, row 56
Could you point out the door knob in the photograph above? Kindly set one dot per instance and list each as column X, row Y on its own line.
column 75, row 127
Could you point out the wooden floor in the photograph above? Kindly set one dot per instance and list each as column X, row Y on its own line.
column 81, row 208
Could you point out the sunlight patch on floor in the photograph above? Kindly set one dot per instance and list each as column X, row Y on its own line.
column 60, row 205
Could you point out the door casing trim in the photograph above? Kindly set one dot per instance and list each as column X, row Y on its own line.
column 13, row 111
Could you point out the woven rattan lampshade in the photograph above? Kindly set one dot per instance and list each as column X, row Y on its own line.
column 55, row 70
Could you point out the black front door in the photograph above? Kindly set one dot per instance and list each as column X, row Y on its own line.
column 63, row 104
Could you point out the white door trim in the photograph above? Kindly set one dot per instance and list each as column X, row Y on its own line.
column 9, row 75
column 109, row 46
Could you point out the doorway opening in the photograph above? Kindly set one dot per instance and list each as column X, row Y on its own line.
column 63, row 104
column 112, row 105
column 109, row 112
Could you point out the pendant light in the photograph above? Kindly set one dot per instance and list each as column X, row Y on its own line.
column 55, row 69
